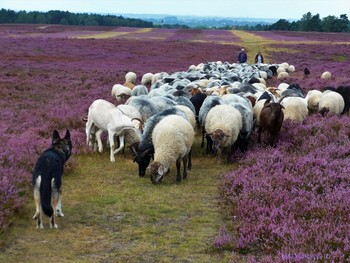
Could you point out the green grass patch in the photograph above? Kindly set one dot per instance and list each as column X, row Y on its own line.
column 113, row 215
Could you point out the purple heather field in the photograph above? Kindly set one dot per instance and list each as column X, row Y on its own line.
column 291, row 202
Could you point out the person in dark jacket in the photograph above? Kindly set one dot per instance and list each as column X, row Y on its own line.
column 259, row 58
column 242, row 56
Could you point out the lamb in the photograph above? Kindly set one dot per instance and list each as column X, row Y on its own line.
column 172, row 138
column 223, row 124
column 121, row 93
column 271, row 119
column 331, row 101
column 107, row 118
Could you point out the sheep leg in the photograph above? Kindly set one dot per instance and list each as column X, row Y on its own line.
column 121, row 144
column 111, row 144
column 185, row 159
column 88, row 128
column 99, row 141
column 189, row 164
column 203, row 135
column 178, row 167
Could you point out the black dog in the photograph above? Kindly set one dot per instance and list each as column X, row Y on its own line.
column 47, row 178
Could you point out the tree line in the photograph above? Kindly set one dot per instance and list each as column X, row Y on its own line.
column 68, row 18
column 308, row 22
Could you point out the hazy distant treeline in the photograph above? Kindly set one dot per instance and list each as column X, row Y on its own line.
column 67, row 18
column 308, row 22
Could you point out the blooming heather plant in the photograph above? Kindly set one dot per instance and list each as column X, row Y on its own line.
column 294, row 199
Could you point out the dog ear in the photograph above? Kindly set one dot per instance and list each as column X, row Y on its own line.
column 55, row 137
column 67, row 136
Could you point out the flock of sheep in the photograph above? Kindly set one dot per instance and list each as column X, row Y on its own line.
column 158, row 118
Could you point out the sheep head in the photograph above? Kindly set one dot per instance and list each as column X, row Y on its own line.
column 143, row 159
column 218, row 136
column 157, row 172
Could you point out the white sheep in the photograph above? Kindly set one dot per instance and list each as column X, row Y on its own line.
column 326, row 75
column 147, row 79
column 282, row 75
column 223, row 124
column 172, row 138
column 281, row 69
column 106, row 117
column 130, row 80
column 120, row 93
column 189, row 113
column 331, row 101
column 291, row 68
column 313, row 98
column 295, row 108
column 285, row 65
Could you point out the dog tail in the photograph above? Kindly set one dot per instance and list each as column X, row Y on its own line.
column 45, row 197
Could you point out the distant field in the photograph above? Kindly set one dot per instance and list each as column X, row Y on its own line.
column 49, row 76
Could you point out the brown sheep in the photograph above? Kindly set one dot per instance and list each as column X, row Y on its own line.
column 271, row 119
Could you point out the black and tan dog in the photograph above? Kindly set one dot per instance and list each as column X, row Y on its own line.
column 47, row 179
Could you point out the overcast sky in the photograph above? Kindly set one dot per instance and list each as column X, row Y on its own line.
column 293, row 9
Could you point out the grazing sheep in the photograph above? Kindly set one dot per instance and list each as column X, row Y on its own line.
column 130, row 80
column 313, row 98
column 291, row 68
column 148, row 106
column 121, row 93
column 326, row 75
column 271, row 119
column 130, row 111
column 244, row 106
column 295, row 108
column 280, row 69
column 197, row 101
column 208, row 104
column 172, row 138
column 223, row 124
column 139, row 90
column 145, row 149
column 106, row 117
column 260, row 104
column 345, row 92
column 282, row 75
column 331, row 101
column 293, row 90
column 146, row 79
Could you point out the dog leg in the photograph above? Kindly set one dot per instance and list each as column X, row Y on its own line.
column 38, row 213
column 52, row 222
column 59, row 205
